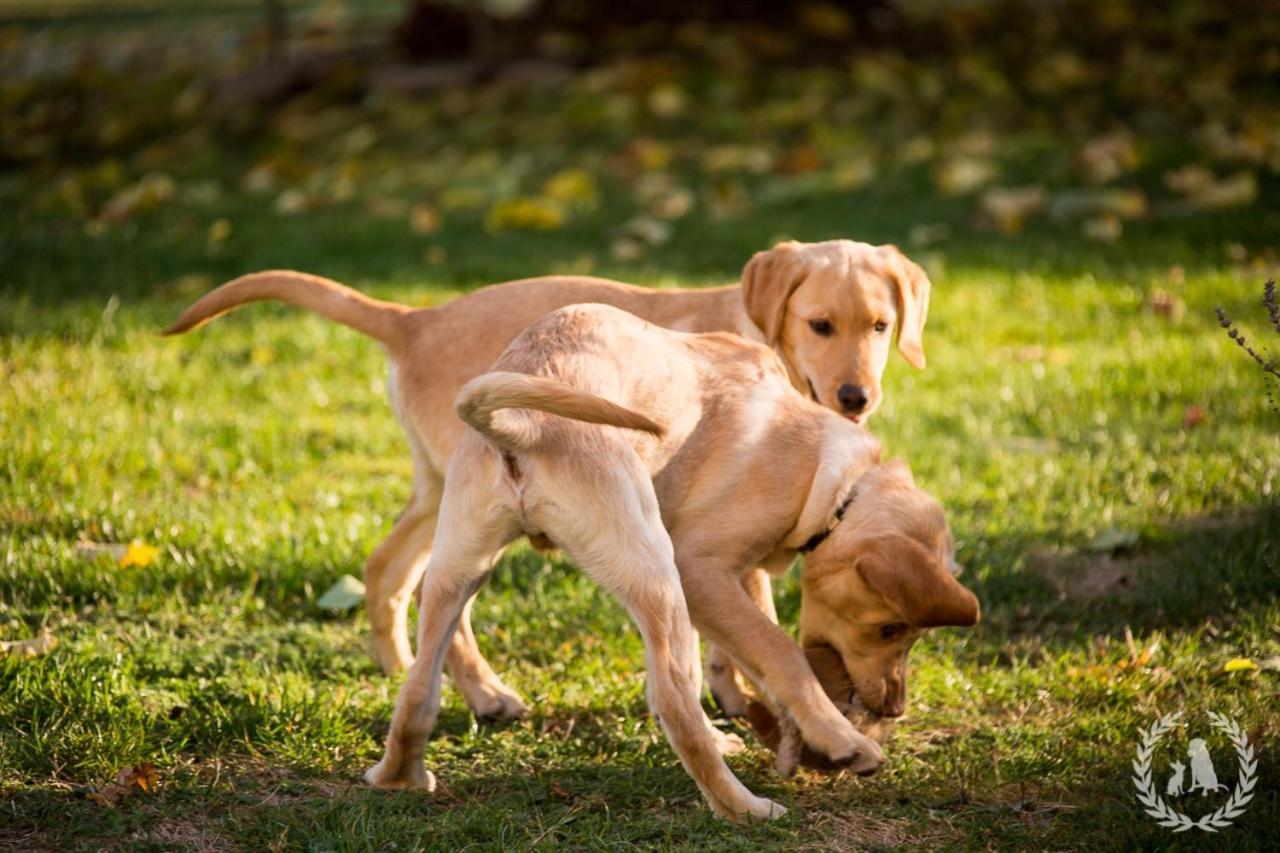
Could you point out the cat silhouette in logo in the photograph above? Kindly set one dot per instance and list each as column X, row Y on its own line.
column 1203, row 777
column 1174, row 786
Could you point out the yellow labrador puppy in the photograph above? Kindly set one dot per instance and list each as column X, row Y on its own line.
column 830, row 310
column 721, row 467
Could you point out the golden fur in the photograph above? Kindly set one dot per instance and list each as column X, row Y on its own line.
column 434, row 352
column 722, row 467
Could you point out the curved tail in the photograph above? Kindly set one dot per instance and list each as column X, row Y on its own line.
column 479, row 402
column 375, row 318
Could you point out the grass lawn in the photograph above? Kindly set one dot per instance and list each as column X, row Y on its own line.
column 1107, row 457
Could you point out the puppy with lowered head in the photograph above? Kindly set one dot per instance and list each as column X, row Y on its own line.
column 720, row 466
column 830, row 310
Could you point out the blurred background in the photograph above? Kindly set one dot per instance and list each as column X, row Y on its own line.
column 630, row 140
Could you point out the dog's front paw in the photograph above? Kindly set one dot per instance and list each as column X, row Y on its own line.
column 401, row 776
column 727, row 743
column 845, row 746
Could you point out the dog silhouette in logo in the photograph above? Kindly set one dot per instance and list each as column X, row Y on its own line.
column 1203, row 777
column 1174, row 786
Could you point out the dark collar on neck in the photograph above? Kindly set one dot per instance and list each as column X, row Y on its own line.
column 816, row 539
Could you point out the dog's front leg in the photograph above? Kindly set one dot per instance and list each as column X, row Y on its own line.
column 725, row 614
column 722, row 673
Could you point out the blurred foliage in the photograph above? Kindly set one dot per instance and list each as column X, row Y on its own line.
column 1086, row 112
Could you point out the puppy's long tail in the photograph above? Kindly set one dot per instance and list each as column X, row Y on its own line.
column 481, row 400
column 382, row 321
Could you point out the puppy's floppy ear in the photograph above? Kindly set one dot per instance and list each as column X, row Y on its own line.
column 916, row 583
column 911, row 289
column 768, row 281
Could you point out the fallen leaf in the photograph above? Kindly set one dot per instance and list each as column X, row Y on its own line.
column 928, row 234
column 34, row 647
column 1272, row 663
column 1162, row 303
column 523, row 212
column 961, row 175
column 1105, row 229
column 139, row 554
column 1009, row 207
column 826, row 19
column 1240, row 190
column 343, row 595
column 219, row 231
column 1082, row 204
column 292, row 202
column 1106, row 158
column 575, row 187
column 1189, row 179
column 424, row 219
column 1239, row 665
column 141, row 777
column 1192, row 417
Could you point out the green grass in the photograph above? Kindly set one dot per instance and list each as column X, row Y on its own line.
column 261, row 457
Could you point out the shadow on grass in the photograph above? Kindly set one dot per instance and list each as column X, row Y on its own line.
column 1189, row 572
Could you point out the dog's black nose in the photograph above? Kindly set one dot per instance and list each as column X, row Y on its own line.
column 853, row 398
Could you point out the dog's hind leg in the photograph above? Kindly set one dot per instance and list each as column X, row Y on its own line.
column 723, row 675
column 471, row 533
column 630, row 554
column 391, row 574
column 486, row 694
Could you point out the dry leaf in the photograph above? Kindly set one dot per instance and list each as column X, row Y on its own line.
column 1105, row 229
column 139, row 554
column 574, row 187
column 964, row 175
column 1162, row 303
column 345, row 594
column 1192, row 417
column 1011, row 206
column 533, row 214
column 424, row 219
column 140, row 777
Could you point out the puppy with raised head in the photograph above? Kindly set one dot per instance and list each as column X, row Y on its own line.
column 830, row 310
column 667, row 465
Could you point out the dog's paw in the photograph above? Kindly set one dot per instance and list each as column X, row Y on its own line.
column 403, row 776
column 760, row 808
column 845, row 746
column 727, row 743
column 494, row 702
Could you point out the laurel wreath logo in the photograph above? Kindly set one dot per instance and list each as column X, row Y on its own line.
column 1164, row 814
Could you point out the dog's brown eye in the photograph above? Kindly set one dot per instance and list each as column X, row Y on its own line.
column 892, row 631
column 881, row 325
column 822, row 327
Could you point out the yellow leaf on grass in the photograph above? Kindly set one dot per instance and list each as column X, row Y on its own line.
column 138, row 554
column 575, row 187
column 1239, row 665
column 424, row 219
column 534, row 214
